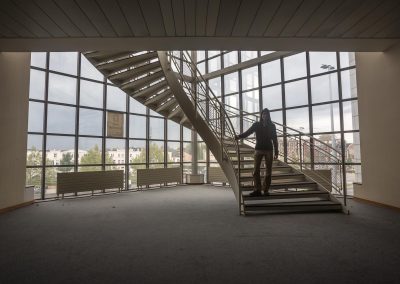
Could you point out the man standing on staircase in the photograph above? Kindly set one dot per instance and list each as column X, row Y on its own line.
column 265, row 138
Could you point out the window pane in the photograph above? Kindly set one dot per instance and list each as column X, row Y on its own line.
column 156, row 128
column 35, row 118
column 353, row 175
column 136, row 107
column 271, row 72
column 230, row 58
column 34, row 150
column 251, row 101
column 349, row 84
column 60, row 119
column 173, row 130
column 89, row 71
column 215, row 85
column 173, row 152
column 65, row 62
column 137, row 126
column 276, row 116
column 51, row 180
column 250, row 78
column 187, row 134
column 321, row 62
column 350, row 115
column 137, row 151
column 233, row 101
column 38, row 59
column 34, row 177
column 113, row 132
column 296, row 93
column 324, row 88
column 115, row 149
column 156, row 152
column 212, row 53
column 272, row 97
column 326, row 118
column 201, row 152
column 91, row 94
column 187, row 152
column 247, row 55
column 201, row 55
column 353, row 154
column 116, row 99
column 133, row 174
column 90, row 122
column 62, row 89
column 298, row 119
column 202, row 67
column 90, row 152
column 214, row 64
column 295, row 66
column 36, row 84
column 347, row 59
column 60, row 150
column 231, row 83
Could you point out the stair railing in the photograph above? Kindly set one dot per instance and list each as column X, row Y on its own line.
column 296, row 146
column 208, row 106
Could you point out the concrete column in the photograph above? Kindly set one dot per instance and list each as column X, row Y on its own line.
column 378, row 86
column 14, row 95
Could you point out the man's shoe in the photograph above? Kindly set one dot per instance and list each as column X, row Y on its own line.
column 255, row 193
column 266, row 192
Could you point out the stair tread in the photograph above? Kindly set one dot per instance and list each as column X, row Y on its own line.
column 299, row 203
column 279, row 183
column 291, row 194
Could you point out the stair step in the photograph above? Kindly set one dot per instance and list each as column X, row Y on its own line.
column 159, row 98
column 151, row 90
column 104, row 56
column 303, row 206
column 139, row 83
column 176, row 112
column 285, row 176
column 122, row 77
column 167, row 105
column 120, row 64
column 289, row 195
column 274, row 167
column 276, row 184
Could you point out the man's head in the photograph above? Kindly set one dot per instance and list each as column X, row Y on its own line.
column 265, row 116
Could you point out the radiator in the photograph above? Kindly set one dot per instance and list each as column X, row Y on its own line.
column 89, row 181
column 158, row 176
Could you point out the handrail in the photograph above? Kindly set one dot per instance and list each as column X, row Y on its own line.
column 338, row 185
column 208, row 105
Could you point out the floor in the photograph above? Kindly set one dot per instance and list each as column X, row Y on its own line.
column 193, row 234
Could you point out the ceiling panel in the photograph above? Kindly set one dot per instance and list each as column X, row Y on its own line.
column 75, row 14
column 370, row 19
column 6, row 32
column 134, row 16
column 300, row 17
column 282, row 17
column 40, row 17
column 57, row 15
column 390, row 31
column 201, row 17
column 116, row 18
column 318, row 17
column 356, row 15
column 97, row 17
column 24, row 19
column 337, row 16
column 178, row 9
column 383, row 22
column 168, row 17
column 14, row 26
column 226, row 18
column 190, row 17
column 263, row 18
column 153, row 17
column 212, row 17
column 245, row 17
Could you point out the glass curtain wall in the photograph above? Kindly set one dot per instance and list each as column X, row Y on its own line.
column 312, row 92
column 69, row 105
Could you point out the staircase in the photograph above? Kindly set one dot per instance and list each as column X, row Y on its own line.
column 170, row 84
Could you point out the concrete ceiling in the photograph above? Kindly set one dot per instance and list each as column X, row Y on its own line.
column 347, row 25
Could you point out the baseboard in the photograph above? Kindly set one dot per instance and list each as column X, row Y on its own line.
column 7, row 209
column 376, row 203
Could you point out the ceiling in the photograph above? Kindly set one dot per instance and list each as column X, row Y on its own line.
column 347, row 25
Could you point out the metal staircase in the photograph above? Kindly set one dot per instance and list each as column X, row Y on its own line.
column 170, row 84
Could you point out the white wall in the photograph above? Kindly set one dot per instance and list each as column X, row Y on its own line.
column 378, row 82
column 14, row 93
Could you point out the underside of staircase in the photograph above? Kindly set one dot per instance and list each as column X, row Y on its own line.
column 149, row 78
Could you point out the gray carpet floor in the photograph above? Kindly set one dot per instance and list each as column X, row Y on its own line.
column 194, row 234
